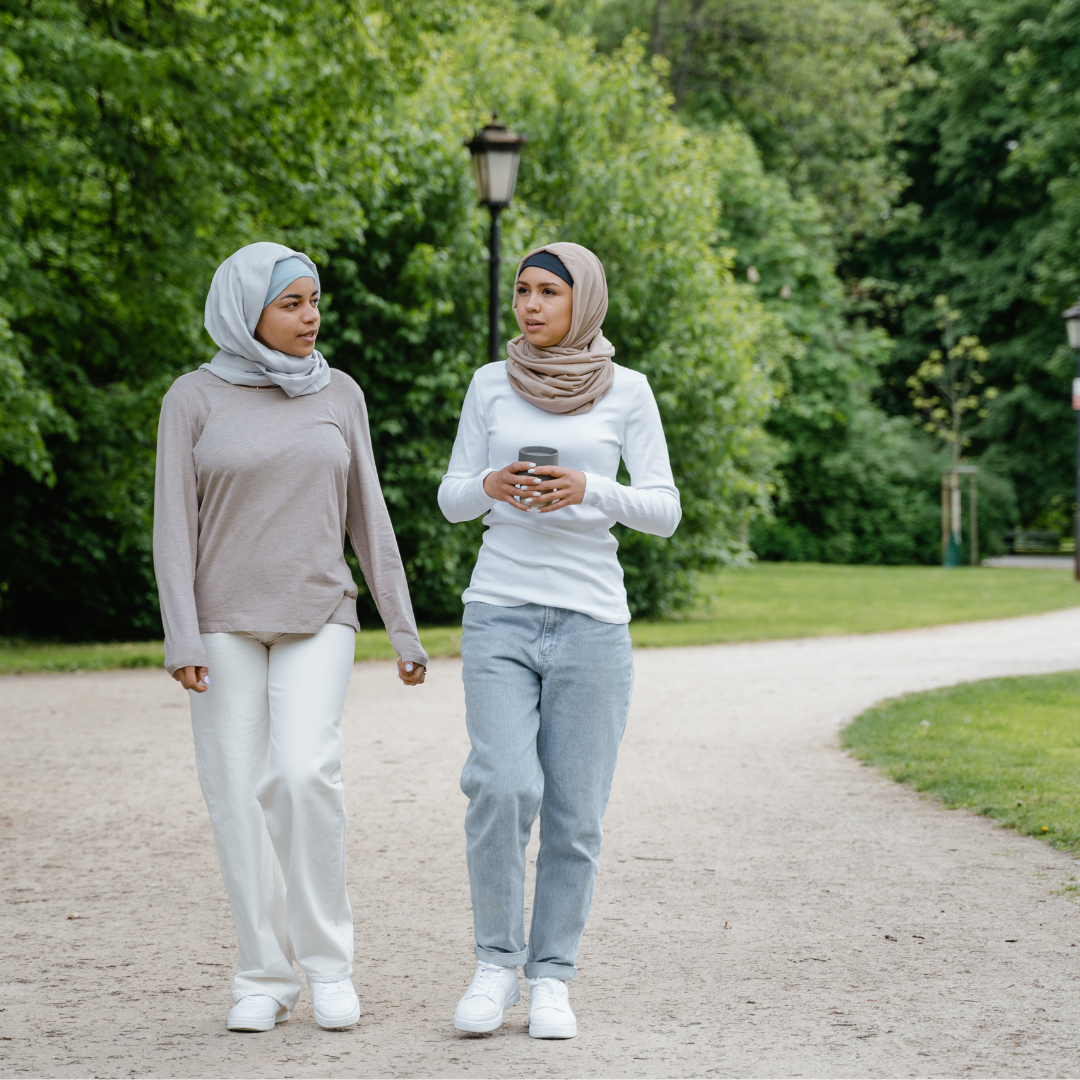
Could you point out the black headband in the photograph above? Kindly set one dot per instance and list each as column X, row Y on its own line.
column 547, row 261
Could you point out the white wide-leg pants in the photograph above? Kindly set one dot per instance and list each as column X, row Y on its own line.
column 268, row 749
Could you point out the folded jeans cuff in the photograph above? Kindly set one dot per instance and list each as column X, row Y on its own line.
column 548, row 970
column 503, row 959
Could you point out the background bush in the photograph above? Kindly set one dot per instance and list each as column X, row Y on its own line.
column 608, row 166
column 906, row 150
column 779, row 189
column 157, row 139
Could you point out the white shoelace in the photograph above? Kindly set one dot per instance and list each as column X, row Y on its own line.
column 547, row 992
column 487, row 981
column 344, row 988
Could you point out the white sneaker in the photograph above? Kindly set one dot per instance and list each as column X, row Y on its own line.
column 256, row 1012
column 550, row 1015
column 493, row 989
column 336, row 1004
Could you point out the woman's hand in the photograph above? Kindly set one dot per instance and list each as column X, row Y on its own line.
column 567, row 489
column 506, row 484
column 193, row 678
column 410, row 672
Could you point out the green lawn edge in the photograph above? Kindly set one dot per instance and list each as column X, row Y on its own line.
column 25, row 658
column 1006, row 748
column 765, row 602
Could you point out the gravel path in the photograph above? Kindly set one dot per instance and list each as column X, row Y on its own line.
column 766, row 906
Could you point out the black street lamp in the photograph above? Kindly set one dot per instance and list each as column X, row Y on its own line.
column 495, row 154
column 1072, row 325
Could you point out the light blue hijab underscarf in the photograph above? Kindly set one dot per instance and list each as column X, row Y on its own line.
column 286, row 271
column 243, row 285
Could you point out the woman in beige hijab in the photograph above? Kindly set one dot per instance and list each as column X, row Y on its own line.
column 546, row 653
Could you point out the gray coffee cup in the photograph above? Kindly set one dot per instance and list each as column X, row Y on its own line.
column 539, row 455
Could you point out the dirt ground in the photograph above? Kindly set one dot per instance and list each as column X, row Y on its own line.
column 766, row 906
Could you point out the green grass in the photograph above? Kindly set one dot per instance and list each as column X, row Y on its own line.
column 1008, row 748
column 21, row 657
column 437, row 640
column 767, row 601
column 17, row 656
column 787, row 600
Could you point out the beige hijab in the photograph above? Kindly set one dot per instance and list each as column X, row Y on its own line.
column 571, row 377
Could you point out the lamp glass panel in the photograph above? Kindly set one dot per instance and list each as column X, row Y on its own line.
column 1073, row 327
column 501, row 174
column 479, row 168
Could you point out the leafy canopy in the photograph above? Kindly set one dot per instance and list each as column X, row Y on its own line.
column 142, row 143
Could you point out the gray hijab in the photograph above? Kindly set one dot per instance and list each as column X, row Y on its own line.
column 233, row 306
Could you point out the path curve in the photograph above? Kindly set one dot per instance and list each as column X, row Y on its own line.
column 750, row 875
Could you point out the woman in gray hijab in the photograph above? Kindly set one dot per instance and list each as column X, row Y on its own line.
column 264, row 465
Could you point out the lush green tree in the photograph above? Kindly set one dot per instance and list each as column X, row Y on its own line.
column 857, row 486
column 813, row 81
column 801, row 99
column 987, row 137
column 139, row 144
column 608, row 166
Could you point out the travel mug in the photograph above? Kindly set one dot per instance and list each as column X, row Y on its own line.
column 539, row 455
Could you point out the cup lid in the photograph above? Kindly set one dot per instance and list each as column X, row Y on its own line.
column 539, row 455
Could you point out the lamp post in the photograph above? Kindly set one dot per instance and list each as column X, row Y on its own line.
column 1072, row 326
column 495, row 154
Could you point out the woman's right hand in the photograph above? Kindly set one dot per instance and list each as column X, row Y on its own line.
column 193, row 678
column 506, row 485
column 410, row 673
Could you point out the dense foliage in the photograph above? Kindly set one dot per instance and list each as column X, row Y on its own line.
column 812, row 83
column 141, row 146
column 780, row 190
column 804, row 91
column 924, row 148
column 987, row 136
column 608, row 166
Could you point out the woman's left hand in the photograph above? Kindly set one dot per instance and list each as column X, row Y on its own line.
column 410, row 672
column 567, row 489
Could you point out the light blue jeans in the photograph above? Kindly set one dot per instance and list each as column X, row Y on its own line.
column 547, row 692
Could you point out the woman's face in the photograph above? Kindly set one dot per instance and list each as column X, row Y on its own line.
column 543, row 304
column 290, row 322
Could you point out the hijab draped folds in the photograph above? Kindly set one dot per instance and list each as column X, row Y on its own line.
column 236, row 300
column 571, row 377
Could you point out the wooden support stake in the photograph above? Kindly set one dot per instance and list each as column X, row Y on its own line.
column 973, row 510
column 944, row 518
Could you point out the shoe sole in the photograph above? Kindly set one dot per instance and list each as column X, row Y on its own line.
column 537, row 1031
column 482, row 1028
column 339, row 1025
column 268, row 1025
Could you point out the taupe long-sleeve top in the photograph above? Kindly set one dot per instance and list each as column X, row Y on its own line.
column 253, row 497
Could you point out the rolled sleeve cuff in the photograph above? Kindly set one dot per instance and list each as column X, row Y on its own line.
column 173, row 666
column 596, row 487
column 480, row 492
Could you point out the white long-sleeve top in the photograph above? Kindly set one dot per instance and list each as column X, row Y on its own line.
column 566, row 558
